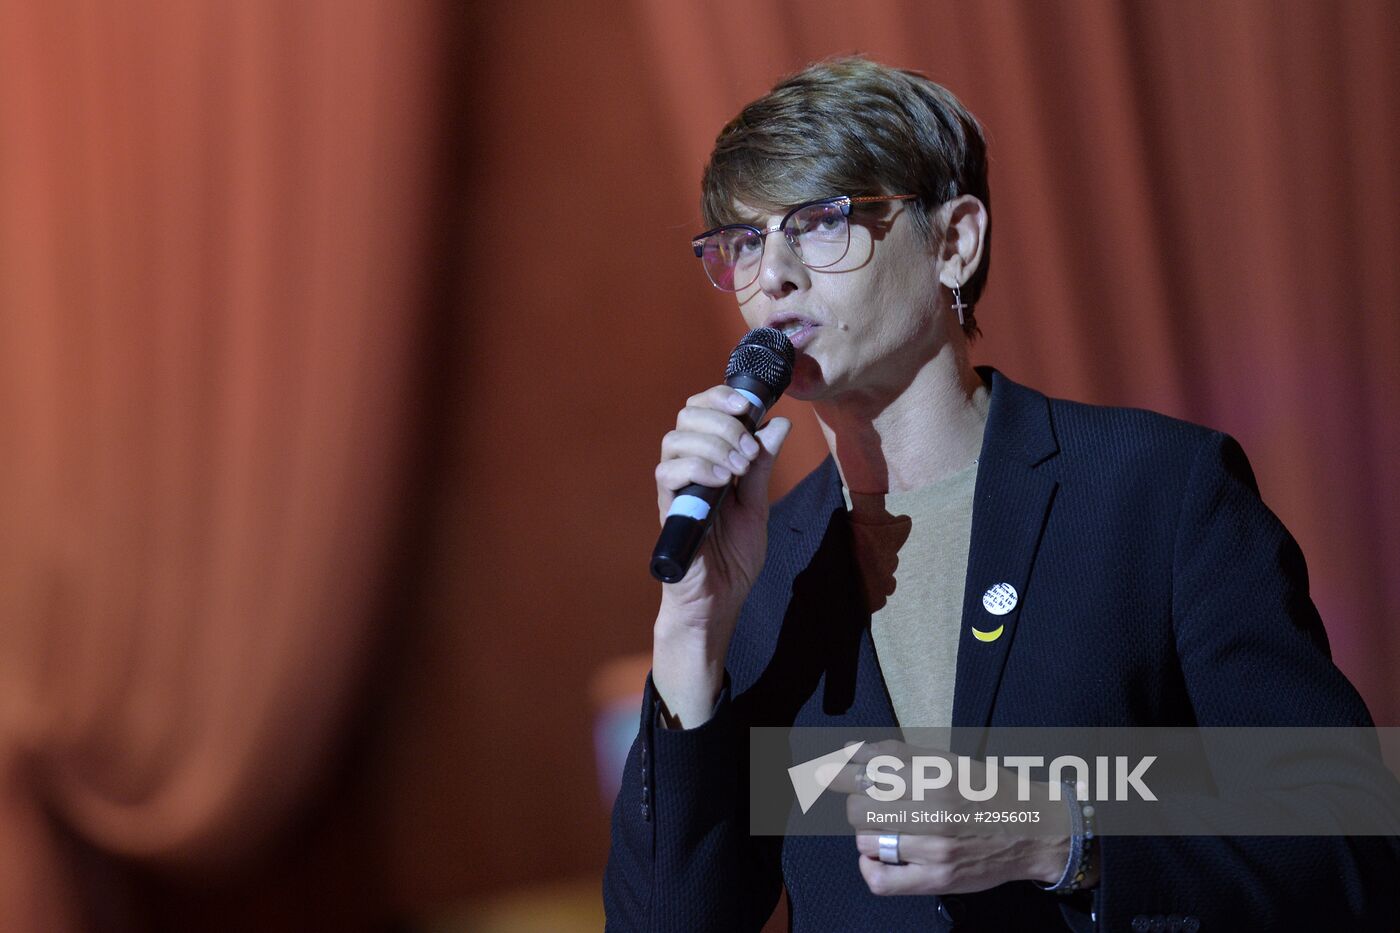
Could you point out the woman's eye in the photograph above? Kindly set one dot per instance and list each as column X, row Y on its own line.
column 827, row 223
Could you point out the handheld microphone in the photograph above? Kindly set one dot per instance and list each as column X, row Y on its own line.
column 760, row 369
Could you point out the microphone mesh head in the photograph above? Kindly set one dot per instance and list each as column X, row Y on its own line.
column 765, row 354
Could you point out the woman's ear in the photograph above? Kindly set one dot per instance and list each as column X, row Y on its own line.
column 963, row 221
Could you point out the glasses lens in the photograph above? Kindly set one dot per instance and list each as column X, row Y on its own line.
column 819, row 235
column 731, row 257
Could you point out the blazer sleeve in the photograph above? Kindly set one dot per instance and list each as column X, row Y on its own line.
column 1253, row 653
column 681, row 856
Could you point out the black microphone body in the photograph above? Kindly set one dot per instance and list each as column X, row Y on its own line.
column 761, row 368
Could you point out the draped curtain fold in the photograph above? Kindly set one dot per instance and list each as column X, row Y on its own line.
column 209, row 236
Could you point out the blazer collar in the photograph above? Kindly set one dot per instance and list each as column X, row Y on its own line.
column 1018, row 422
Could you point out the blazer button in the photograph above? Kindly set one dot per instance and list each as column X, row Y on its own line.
column 1190, row 924
column 1141, row 924
column 952, row 909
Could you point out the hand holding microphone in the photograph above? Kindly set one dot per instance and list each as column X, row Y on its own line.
column 714, row 559
column 759, row 369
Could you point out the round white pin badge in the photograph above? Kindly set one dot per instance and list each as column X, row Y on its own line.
column 999, row 599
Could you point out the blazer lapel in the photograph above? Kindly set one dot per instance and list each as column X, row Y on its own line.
column 821, row 667
column 853, row 688
column 1011, row 504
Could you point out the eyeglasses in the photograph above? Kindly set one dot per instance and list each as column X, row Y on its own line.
column 818, row 232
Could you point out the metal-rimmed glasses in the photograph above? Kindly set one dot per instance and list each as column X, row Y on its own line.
column 818, row 232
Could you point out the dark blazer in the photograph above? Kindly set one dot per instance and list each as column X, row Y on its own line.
column 1155, row 589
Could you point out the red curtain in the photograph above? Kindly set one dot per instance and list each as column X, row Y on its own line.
column 337, row 341
column 211, row 239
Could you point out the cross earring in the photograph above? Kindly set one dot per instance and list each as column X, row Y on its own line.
column 958, row 305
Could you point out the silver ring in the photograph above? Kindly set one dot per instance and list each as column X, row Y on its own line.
column 863, row 782
column 889, row 849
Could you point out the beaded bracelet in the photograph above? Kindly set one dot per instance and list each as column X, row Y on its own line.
column 1081, row 844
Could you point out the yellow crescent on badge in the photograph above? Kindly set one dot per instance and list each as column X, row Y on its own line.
column 993, row 635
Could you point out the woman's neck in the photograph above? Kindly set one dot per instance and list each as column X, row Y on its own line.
column 930, row 430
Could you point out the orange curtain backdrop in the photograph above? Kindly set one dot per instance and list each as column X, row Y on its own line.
column 210, row 258
column 1194, row 212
